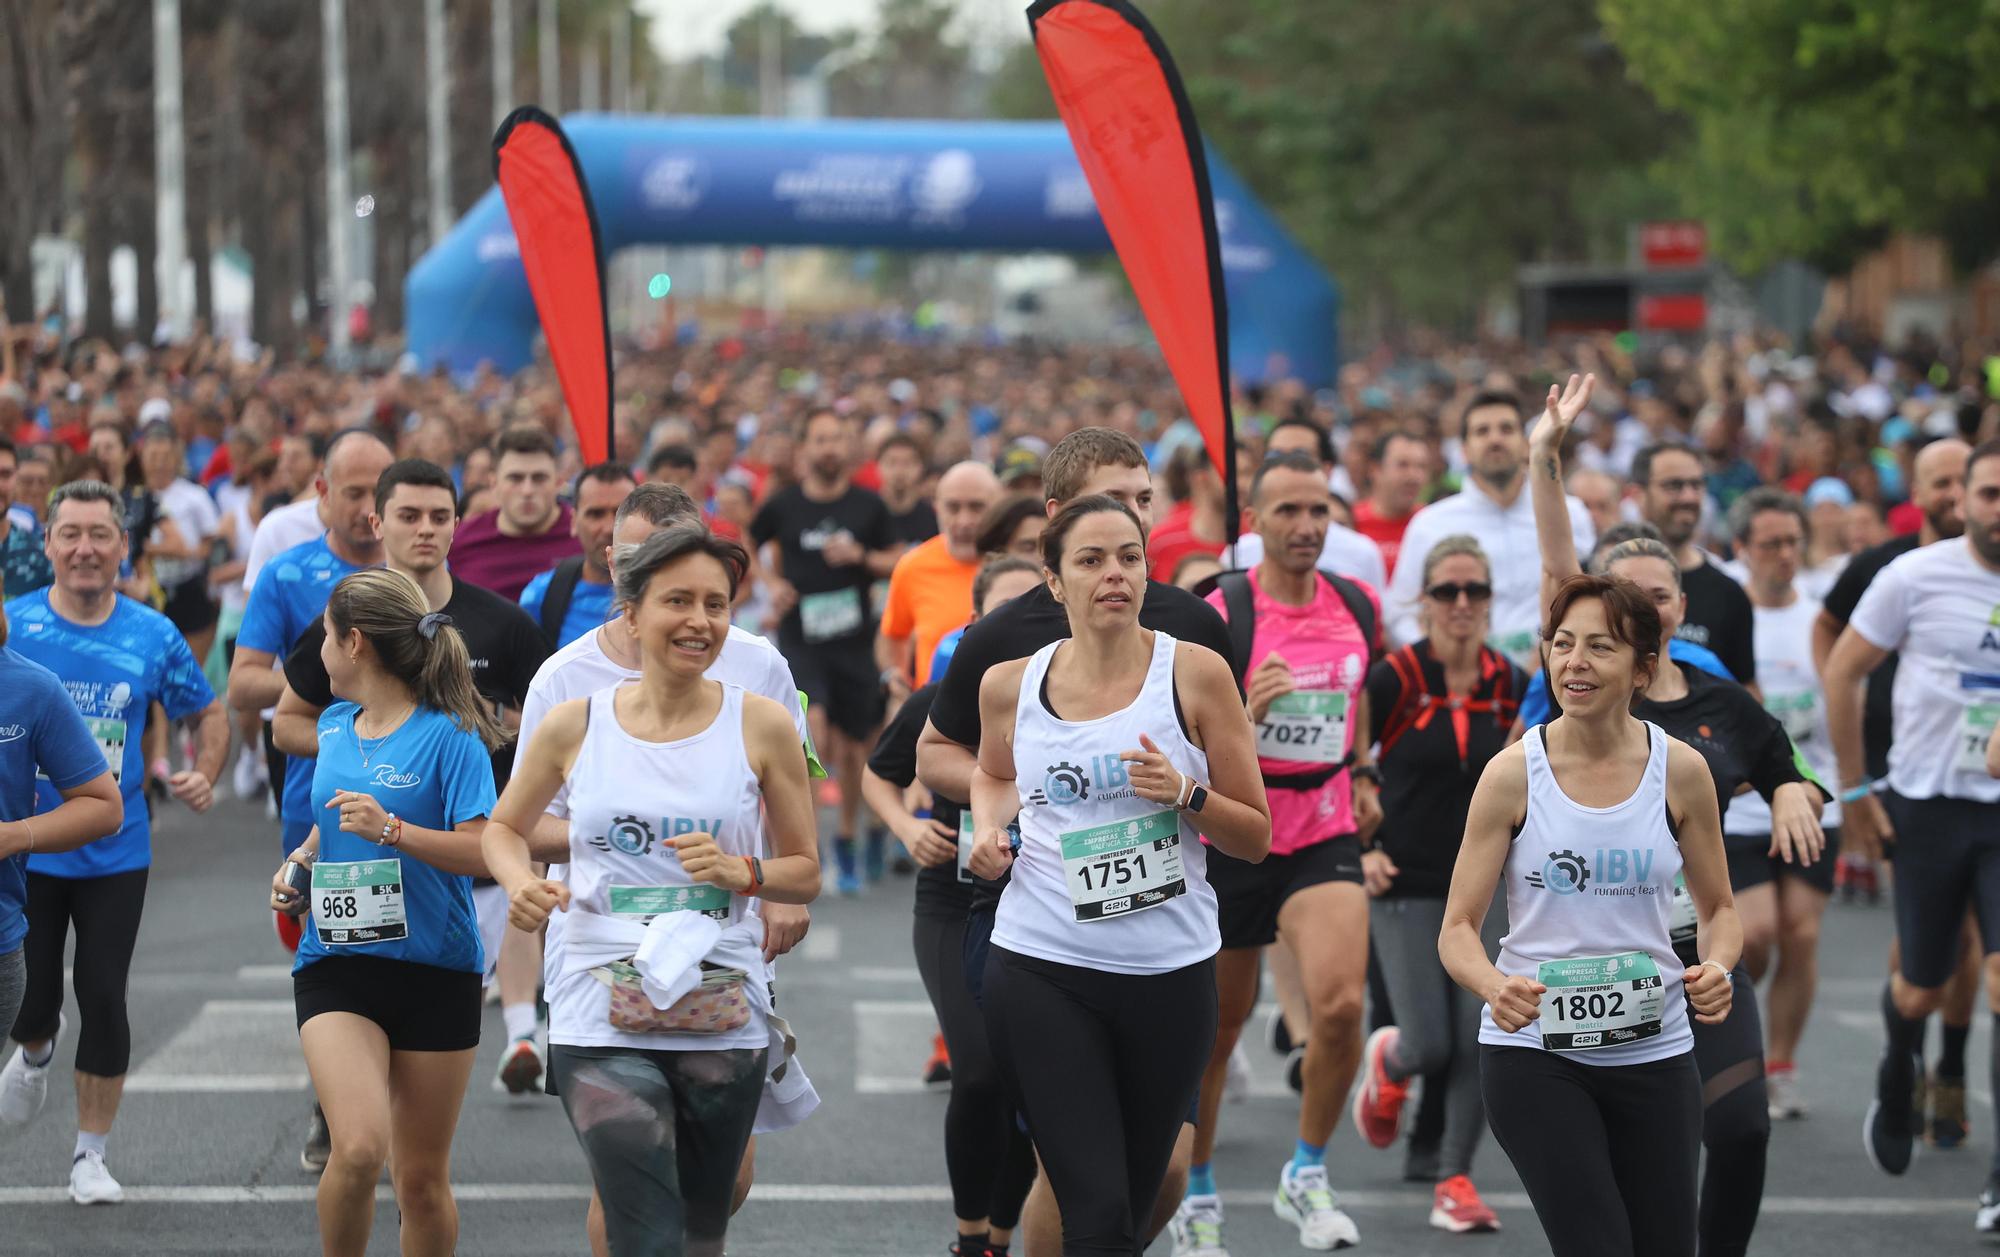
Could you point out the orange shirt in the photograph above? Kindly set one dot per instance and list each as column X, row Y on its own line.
column 930, row 594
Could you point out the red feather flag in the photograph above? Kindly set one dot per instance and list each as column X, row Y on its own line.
column 563, row 254
column 1135, row 136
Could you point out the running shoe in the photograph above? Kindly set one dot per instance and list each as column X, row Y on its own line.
column 90, row 1183
column 1947, row 1108
column 1196, row 1228
column 937, row 1070
column 1378, row 1101
column 24, row 1088
column 319, row 1144
column 847, row 876
column 1295, row 1071
column 875, row 857
column 1305, row 1201
column 1987, row 1220
column 1456, row 1207
column 1236, row 1082
column 1281, row 1035
column 1783, row 1096
column 1888, row 1133
column 520, row 1071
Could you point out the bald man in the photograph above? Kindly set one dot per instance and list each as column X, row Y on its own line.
column 930, row 592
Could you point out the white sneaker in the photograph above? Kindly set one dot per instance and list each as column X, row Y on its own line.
column 91, row 1184
column 520, row 1071
column 1236, row 1086
column 244, row 778
column 1197, row 1228
column 1308, row 1203
column 1783, row 1096
column 24, row 1087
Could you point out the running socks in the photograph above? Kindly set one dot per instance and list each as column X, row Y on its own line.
column 1308, row 1154
column 87, row 1142
column 48, row 1054
column 974, row 1245
column 1906, row 1034
column 520, row 1019
column 1201, row 1180
column 1951, row 1058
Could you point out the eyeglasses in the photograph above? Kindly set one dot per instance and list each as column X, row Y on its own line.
column 1473, row 591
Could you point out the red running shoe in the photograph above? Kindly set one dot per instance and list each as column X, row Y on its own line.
column 1456, row 1207
column 937, row 1070
column 1378, row 1101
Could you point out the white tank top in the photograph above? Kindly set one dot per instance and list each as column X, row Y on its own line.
column 1593, row 882
column 1132, row 896
column 627, row 799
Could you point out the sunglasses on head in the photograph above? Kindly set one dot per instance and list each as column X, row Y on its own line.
column 1474, row 591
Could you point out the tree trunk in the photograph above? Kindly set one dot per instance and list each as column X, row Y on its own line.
column 201, row 254
column 97, row 245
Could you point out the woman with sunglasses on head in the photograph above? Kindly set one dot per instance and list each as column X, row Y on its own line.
column 1443, row 708
column 1111, row 748
column 387, row 981
column 1744, row 747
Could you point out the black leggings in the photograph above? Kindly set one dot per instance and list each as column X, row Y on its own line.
column 1607, row 1152
column 989, row 1160
column 1736, row 1123
column 105, row 911
column 664, row 1133
column 1107, row 1066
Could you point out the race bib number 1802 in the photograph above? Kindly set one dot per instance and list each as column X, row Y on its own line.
column 1600, row 1001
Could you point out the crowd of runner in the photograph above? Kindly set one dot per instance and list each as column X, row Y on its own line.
column 1524, row 733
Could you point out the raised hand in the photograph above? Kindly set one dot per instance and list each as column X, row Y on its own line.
column 1563, row 407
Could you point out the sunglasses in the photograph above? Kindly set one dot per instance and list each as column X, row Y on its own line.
column 1473, row 591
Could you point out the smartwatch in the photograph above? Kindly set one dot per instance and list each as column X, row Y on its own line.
column 1197, row 799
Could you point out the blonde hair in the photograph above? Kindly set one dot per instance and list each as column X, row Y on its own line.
column 1456, row 544
column 415, row 645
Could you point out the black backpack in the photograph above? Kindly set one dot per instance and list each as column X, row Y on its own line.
column 1242, row 612
column 556, row 599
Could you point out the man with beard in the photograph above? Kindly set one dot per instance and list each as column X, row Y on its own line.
column 1494, row 508
column 1672, row 487
column 1937, row 605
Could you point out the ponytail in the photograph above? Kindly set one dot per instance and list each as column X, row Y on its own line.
column 415, row 645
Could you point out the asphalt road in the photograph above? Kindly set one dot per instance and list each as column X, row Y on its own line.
column 207, row 1143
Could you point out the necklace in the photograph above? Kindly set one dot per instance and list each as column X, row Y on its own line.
column 361, row 746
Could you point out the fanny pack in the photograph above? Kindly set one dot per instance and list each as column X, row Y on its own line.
column 1311, row 780
column 721, row 1002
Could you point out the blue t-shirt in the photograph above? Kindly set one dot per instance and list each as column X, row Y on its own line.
column 41, row 734
column 289, row 598
column 947, row 647
column 1535, row 703
column 431, row 774
column 589, row 606
column 114, row 672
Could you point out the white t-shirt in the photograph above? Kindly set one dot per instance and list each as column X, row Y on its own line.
column 195, row 514
column 1507, row 534
column 1940, row 608
column 290, row 525
column 1792, row 692
column 1346, row 552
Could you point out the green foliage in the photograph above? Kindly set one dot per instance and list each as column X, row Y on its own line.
column 1818, row 126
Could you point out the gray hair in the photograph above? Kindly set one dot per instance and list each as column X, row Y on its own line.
column 1456, row 544
column 1760, row 500
column 635, row 565
column 88, row 491
column 1636, row 548
column 662, row 505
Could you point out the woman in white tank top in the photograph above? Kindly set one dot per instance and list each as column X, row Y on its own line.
column 1586, row 1056
column 1112, row 749
column 660, row 1000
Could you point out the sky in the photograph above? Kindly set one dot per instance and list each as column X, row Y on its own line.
column 683, row 28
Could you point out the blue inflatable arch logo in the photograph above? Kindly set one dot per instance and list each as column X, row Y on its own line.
column 1000, row 186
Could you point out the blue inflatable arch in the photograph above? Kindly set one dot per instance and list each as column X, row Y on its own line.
column 1009, row 187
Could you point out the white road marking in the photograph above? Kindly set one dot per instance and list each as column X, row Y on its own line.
column 821, row 943
column 259, row 1036
column 883, row 973
column 219, row 1083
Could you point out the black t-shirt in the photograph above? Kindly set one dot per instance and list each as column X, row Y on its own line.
column 834, row 600
column 1877, row 720
column 506, row 649
column 1429, row 771
column 1719, row 617
column 919, row 523
column 940, row 895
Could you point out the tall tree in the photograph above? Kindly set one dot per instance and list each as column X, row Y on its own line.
column 32, row 133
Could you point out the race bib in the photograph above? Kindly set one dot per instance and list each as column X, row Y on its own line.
column 1975, row 727
column 648, row 902
column 359, row 902
column 1798, row 711
column 835, row 613
column 1308, row 725
column 110, row 736
column 965, row 845
column 1600, row 1001
column 1681, row 920
column 1124, row 867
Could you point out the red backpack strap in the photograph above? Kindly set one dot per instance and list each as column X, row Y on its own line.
column 1410, row 675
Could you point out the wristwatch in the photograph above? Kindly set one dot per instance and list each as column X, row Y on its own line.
column 1197, row 799
column 1366, row 772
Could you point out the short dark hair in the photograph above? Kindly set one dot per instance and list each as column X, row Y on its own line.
column 1322, row 443
column 7, row 447
column 637, row 564
column 1490, row 397
column 420, row 472
column 1642, row 462
column 609, row 471
column 1082, row 452
column 672, row 454
column 1073, row 514
column 1762, row 500
column 904, row 441
column 522, row 439
column 996, row 527
column 1289, row 460
column 1989, row 448
column 1627, row 530
column 1383, row 442
column 992, row 570
column 805, row 426
column 1629, row 614
column 660, row 504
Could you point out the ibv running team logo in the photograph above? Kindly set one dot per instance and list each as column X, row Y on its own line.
column 629, row 836
column 1063, row 783
column 1564, row 872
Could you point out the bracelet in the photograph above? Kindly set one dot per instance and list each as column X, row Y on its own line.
column 1184, row 792
column 756, row 867
column 1727, row 976
column 1855, row 794
column 392, row 832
